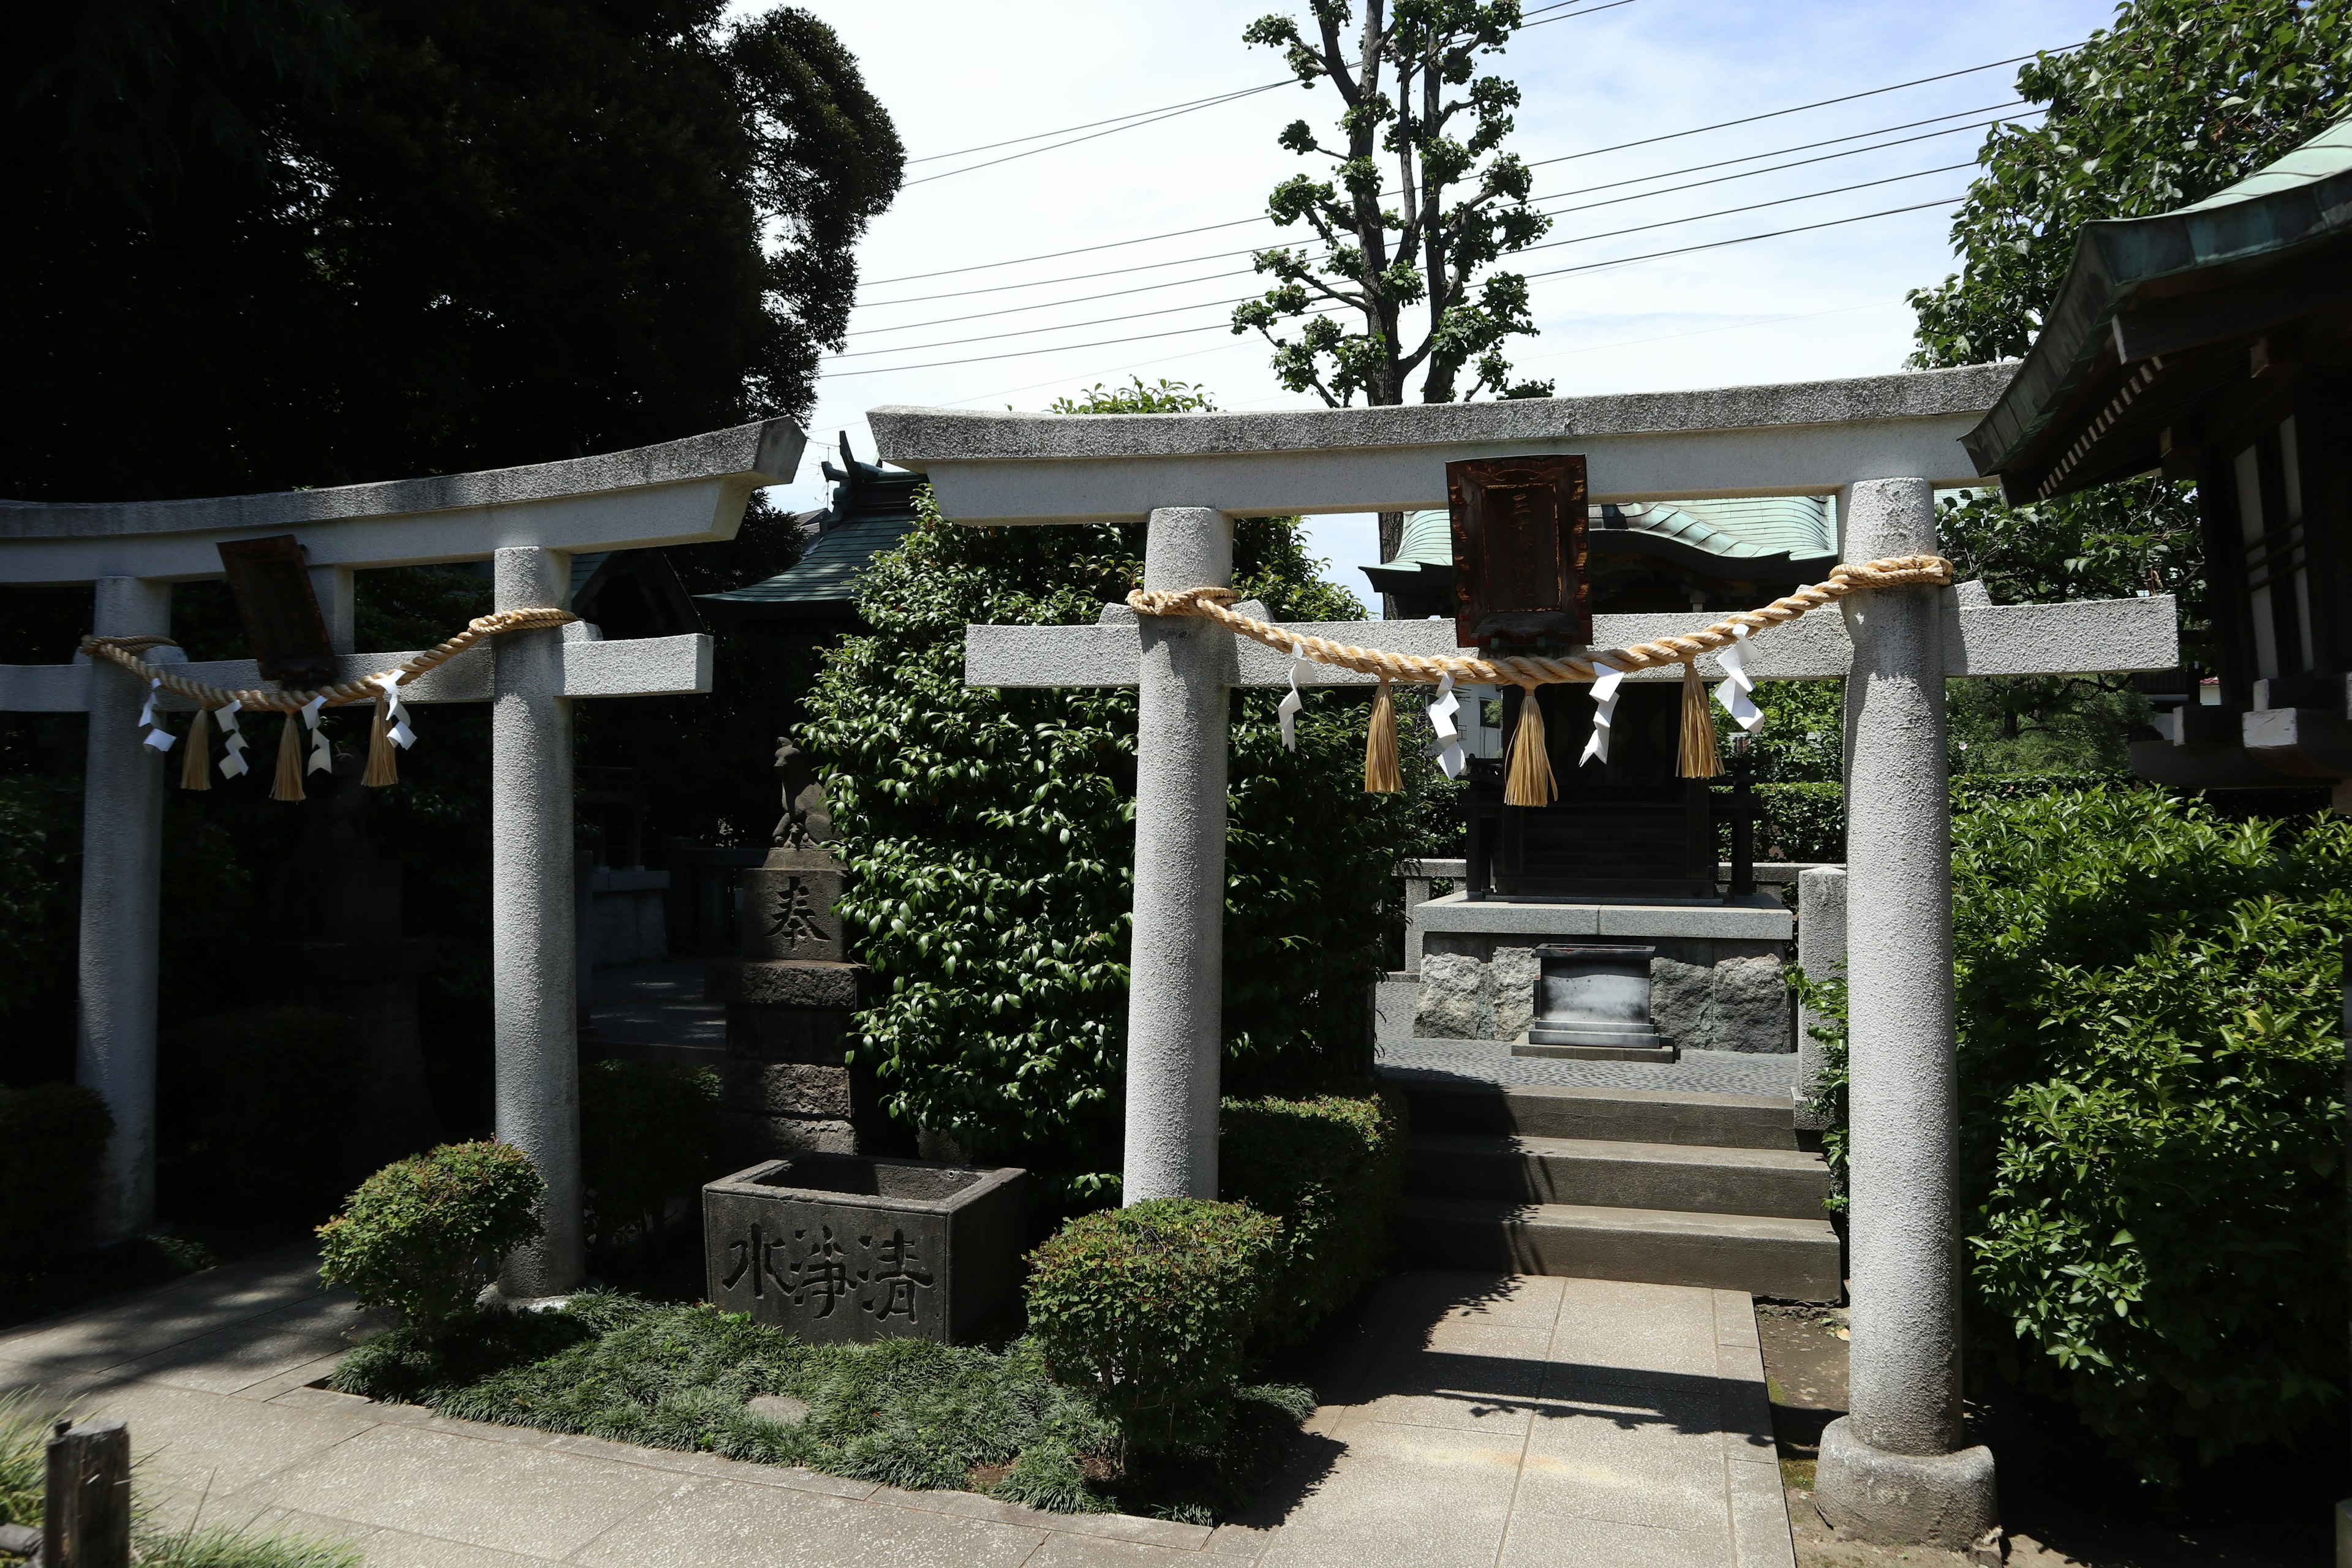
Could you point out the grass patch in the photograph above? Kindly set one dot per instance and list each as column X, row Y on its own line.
column 904, row 1412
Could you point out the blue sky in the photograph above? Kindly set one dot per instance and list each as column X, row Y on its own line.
column 1823, row 303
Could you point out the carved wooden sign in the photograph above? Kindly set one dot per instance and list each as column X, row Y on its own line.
column 1519, row 550
column 281, row 609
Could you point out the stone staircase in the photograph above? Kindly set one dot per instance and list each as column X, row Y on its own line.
column 1657, row 1187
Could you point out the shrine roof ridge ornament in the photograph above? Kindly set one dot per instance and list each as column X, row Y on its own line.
column 673, row 493
column 1791, row 438
column 912, row 437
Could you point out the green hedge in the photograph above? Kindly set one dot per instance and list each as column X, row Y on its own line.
column 423, row 1234
column 1331, row 1170
column 2151, row 1064
column 1151, row 1307
column 52, row 1141
column 648, row 1135
column 1807, row 821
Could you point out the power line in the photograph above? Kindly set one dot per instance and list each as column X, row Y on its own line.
column 1056, row 146
column 1089, row 125
column 1213, row 326
column 1556, row 196
column 1576, row 239
column 1245, row 272
column 1591, row 152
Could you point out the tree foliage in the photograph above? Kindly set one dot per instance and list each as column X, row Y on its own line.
column 989, row 836
column 298, row 242
column 1408, row 215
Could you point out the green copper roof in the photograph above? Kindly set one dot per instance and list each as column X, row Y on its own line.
column 1796, row 526
column 2128, row 309
column 873, row 509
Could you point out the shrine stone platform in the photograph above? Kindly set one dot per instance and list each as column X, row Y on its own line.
column 1716, row 983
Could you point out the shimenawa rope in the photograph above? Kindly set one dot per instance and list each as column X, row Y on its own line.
column 287, row 783
column 1529, row 780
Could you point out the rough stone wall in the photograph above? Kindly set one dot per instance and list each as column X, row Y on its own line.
column 1705, row 994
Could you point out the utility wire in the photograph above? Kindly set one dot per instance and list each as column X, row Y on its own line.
column 1089, row 125
column 1132, row 125
column 1246, row 271
column 1213, row 326
column 1591, row 152
column 1576, row 239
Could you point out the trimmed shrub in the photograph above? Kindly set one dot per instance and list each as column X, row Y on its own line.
column 259, row 1102
column 423, row 1234
column 2151, row 1067
column 648, row 1133
column 1152, row 1307
column 52, row 1139
column 1331, row 1170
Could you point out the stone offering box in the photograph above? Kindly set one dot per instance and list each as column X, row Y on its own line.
column 853, row 1246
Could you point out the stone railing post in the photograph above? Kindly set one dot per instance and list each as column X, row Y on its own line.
column 1176, row 967
column 534, row 937
column 1894, row 1471
column 1821, row 953
column 121, row 886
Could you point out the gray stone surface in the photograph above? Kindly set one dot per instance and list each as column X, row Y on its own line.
column 1491, row 1062
column 1174, row 1019
column 783, row 985
column 1903, row 1233
column 122, row 858
column 912, row 437
column 786, row 910
column 1821, row 953
column 1456, row 999
column 1724, row 995
column 855, row 1248
column 1761, row 918
column 764, row 453
column 1512, row 973
column 791, row 1089
column 1946, row 1499
column 535, row 944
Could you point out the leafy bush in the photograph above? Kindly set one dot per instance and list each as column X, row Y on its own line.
column 423, row 1234
column 1800, row 822
column 52, row 1142
column 989, row 834
column 259, row 1102
column 1331, row 1170
column 648, row 1133
column 1151, row 1307
column 2151, row 1061
column 25, row 1424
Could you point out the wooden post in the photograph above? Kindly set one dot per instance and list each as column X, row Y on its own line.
column 88, row 1508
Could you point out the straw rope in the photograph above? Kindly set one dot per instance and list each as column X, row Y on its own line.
column 1528, row 670
column 125, row 651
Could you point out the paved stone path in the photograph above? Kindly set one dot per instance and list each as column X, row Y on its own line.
column 1474, row 1420
column 657, row 1012
column 1491, row 1062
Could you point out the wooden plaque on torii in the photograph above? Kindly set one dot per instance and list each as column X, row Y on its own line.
column 1519, row 550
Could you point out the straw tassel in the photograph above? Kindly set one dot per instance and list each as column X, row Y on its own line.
column 195, row 767
column 381, row 768
column 1699, row 760
column 1380, row 775
column 288, row 785
column 1529, row 782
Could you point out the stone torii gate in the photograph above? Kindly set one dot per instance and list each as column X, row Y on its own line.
column 1893, row 1469
column 527, row 522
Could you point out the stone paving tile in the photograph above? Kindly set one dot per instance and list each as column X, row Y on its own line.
column 1094, row 1551
column 1634, row 1333
column 1552, row 1542
column 112, row 1333
column 1465, row 1376
column 703, row 1524
column 1522, row 1300
column 212, row 1443
column 231, row 1360
column 1166, row 1534
column 1759, row 1515
column 1652, row 1460
column 1378, row 1503
column 400, row 1549
column 456, row 1487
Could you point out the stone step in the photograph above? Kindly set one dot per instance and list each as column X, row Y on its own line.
column 1686, row 1178
column 1630, row 1115
column 1792, row 1260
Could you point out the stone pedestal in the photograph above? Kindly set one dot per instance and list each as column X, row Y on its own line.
column 785, row 1089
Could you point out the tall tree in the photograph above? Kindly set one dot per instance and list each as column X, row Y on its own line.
column 2174, row 100
column 265, row 243
column 1409, row 216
